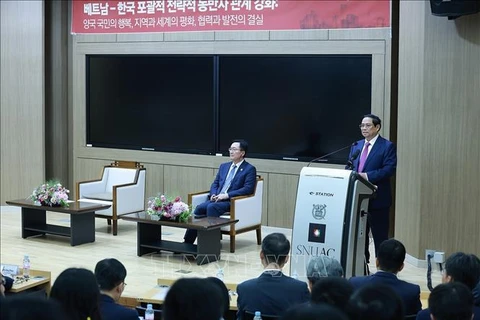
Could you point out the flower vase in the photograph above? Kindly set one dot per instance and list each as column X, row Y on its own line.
column 176, row 219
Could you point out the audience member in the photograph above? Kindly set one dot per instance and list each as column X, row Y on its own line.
column 225, row 294
column 272, row 293
column 335, row 291
column 76, row 290
column 322, row 266
column 476, row 295
column 193, row 299
column 376, row 301
column 390, row 261
column 451, row 301
column 6, row 284
column 234, row 178
column 314, row 312
column 25, row 307
column 463, row 268
column 111, row 274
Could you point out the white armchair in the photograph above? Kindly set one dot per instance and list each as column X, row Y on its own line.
column 247, row 209
column 122, row 185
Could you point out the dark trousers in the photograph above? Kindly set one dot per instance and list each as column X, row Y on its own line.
column 209, row 209
column 378, row 220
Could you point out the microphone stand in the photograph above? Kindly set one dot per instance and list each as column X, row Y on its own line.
column 329, row 154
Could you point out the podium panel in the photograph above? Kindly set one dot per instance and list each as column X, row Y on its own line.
column 328, row 219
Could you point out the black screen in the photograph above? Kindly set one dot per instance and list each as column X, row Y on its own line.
column 294, row 107
column 155, row 102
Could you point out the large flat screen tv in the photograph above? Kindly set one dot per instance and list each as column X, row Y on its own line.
column 294, row 107
column 288, row 107
column 151, row 102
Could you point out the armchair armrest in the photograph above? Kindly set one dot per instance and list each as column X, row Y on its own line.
column 194, row 199
column 247, row 209
column 129, row 197
column 88, row 187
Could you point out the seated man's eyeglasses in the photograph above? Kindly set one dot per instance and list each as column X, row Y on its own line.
column 233, row 149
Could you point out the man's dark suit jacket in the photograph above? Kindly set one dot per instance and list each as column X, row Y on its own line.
column 110, row 310
column 425, row 314
column 409, row 292
column 379, row 167
column 272, row 294
column 242, row 184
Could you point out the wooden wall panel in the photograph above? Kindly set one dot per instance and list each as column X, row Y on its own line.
column 154, row 179
column 282, row 190
column 180, row 181
column 22, row 129
column 438, row 115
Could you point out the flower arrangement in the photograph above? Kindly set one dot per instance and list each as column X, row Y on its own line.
column 168, row 209
column 52, row 194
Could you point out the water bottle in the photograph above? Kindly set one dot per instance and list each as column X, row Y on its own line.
column 26, row 266
column 220, row 274
column 258, row 315
column 149, row 315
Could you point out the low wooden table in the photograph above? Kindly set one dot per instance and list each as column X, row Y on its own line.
column 82, row 220
column 149, row 236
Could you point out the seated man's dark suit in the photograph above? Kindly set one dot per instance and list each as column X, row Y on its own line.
column 272, row 294
column 425, row 314
column 243, row 184
column 110, row 310
column 409, row 292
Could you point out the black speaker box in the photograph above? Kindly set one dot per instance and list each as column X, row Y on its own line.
column 454, row 8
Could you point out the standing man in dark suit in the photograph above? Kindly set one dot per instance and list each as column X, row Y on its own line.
column 111, row 274
column 390, row 261
column 272, row 293
column 235, row 178
column 377, row 163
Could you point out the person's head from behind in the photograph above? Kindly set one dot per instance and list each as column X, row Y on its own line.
column 314, row 312
column 376, row 302
column 26, row 307
column 193, row 299
column 334, row 291
column 275, row 250
column 463, row 268
column 224, row 291
column 322, row 266
column 2, row 285
column 111, row 274
column 451, row 301
column 391, row 256
column 238, row 150
column 77, row 291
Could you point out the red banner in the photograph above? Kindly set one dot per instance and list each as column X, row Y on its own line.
column 92, row 16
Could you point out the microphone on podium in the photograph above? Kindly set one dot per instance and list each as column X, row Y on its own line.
column 329, row 154
column 352, row 158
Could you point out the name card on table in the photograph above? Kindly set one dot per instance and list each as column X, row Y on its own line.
column 9, row 270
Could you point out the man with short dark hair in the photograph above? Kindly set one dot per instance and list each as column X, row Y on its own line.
column 451, row 301
column 272, row 293
column 376, row 162
column 111, row 274
column 463, row 268
column 234, row 178
column 390, row 261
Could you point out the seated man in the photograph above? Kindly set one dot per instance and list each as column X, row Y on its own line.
column 272, row 293
column 235, row 178
column 451, row 301
column 322, row 266
column 111, row 274
column 463, row 268
column 376, row 301
column 390, row 261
